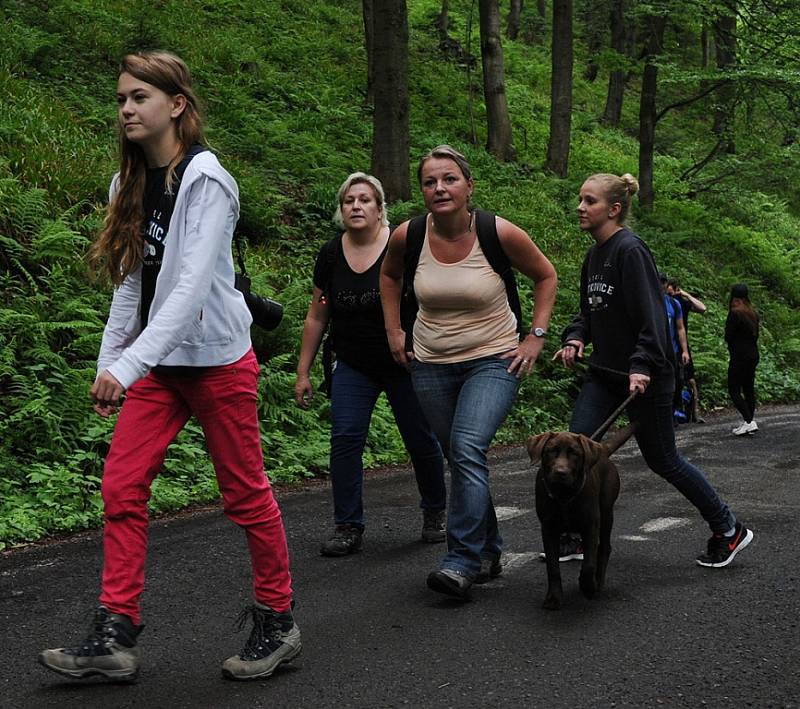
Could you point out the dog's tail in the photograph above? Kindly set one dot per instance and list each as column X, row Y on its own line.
column 619, row 438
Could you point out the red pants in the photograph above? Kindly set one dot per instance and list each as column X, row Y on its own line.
column 223, row 399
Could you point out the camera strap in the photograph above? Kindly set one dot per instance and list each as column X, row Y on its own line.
column 242, row 279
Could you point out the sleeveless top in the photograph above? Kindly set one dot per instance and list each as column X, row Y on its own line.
column 463, row 309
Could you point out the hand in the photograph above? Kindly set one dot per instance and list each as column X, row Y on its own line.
column 637, row 382
column 685, row 358
column 105, row 394
column 524, row 357
column 569, row 353
column 303, row 391
column 397, row 346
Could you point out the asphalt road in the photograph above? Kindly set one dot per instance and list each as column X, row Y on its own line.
column 664, row 633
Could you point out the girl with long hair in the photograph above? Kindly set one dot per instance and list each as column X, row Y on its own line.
column 177, row 344
column 741, row 335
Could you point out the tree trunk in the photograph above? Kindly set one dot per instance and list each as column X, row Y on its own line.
column 704, row 46
column 368, row 12
column 443, row 21
column 560, row 89
column 499, row 142
column 647, row 109
column 725, row 45
column 390, row 136
column 593, row 15
column 513, row 19
column 541, row 7
column 616, row 79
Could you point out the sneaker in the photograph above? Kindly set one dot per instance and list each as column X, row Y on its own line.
column 570, row 548
column 450, row 582
column 490, row 569
column 433, row 522
column 752, row 427
column 274, row 640
column 346, row 539
column 742, row 429
column 722, row 549
column 109, row 650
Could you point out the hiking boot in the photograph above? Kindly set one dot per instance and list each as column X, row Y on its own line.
column 450, row 582
column 722, row 549
column 346, row 539
column 433, row 522
column 491, row 568
column 274, row 640
column 570, row 548
column 109, row 650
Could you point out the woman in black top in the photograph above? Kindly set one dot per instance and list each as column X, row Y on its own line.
column 741, row 334
column 346, row 296
column 622, row 315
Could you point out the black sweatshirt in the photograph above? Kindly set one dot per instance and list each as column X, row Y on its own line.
column 622, row 311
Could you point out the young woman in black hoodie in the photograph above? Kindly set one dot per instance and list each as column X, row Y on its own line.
column 622, row 315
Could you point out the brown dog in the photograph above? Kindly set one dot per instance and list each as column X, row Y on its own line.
column 576, row 488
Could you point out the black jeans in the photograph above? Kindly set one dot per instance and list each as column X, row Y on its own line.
column 741, row 386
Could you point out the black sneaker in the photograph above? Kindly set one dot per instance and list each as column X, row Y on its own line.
column 490, row 569
column 570, row 548
column 450, row 582
column 274, row 640
column 109, row 650
column 433, row 522
column 346, row 539
column 722, row 549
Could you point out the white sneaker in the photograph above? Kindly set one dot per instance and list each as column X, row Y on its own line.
column 742, row 429
column 752, row 427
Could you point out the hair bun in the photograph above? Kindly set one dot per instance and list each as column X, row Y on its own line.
column 631, row 183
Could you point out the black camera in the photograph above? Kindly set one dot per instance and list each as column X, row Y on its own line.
column 267, row 313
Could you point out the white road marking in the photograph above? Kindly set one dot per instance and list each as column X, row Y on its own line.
column 504, row 513
column 661, row 524
column 634, row 538
column 515, row 561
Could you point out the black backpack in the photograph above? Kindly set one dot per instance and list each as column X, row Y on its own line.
column 486, row 228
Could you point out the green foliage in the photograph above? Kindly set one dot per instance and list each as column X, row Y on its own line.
column 283, row 84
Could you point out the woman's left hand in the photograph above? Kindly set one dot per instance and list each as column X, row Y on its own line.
column 524, row 357
column 106, row 393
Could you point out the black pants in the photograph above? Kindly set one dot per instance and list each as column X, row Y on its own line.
column 741, row 386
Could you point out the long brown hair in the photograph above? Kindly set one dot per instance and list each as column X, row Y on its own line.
column 119, row 247
column 743, row 307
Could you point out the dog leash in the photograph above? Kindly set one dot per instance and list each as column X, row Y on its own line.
column 600, row 432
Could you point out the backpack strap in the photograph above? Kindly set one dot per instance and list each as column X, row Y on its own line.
column 415, row 238
column 486, row 226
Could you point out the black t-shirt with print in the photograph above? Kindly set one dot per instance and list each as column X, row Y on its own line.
column 358, row 334
column 158, row 206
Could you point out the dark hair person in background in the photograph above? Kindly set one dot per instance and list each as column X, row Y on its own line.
column 178, row 342
column 347, row 296
column 622, row 315
column 466, row 355
column 741, row 334
column 689, row 304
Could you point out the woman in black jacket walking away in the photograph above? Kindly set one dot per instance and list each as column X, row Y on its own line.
column 741, row 334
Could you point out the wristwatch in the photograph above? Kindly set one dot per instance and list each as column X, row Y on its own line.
column 538, row 332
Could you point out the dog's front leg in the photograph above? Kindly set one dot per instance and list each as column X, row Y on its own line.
column 590, row 536
column 555, row 593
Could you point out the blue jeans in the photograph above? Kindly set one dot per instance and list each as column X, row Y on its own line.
column 655, row 436
column 465, row 403
column 353, row 398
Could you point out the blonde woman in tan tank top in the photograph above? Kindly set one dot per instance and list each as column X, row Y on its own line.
column 467, row 359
